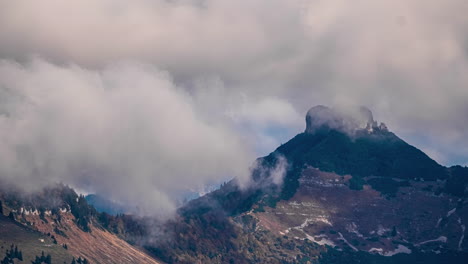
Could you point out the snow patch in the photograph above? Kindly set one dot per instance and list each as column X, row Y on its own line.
column 376, row 250
column 307, row 221
column 442, row 239
column 382, row 230
column 353, row 228
column 346, row 241
column 399, row 250
column 320, row 239
column 307, row 204
column 323, row 240
column 449, row 213
column 462, row 235
column 294, row 204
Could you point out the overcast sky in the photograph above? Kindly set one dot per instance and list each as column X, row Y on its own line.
column 151, row 96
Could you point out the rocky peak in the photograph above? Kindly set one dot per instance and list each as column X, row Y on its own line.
column 350, row 121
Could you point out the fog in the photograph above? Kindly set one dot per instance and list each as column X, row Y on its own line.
column 138, row 99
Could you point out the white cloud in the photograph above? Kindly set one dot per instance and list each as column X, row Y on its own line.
column 127, row 132
column 237, row 71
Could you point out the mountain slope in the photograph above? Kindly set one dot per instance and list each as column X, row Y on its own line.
column 62, row 224
column 30, row 242
column 381, row 153
column 349, row 192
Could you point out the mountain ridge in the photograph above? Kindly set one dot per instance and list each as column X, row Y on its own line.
column 368, row 165
column 360, row 194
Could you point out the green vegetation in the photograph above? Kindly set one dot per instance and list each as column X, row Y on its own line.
column 79, row 261
column 42, row 259
column 387, row 186
column 458, row 181
column 12, row 254
column 380, row 154
column 356, row 183
column 28, row 243
column 333, row 256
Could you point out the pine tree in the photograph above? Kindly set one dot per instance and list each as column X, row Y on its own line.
column 48, row 259
column 11, row 215
column 73, row 261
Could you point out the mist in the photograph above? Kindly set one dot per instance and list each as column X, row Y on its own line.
column 126, row 132
column 138, row 100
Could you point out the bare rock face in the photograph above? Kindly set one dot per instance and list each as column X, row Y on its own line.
column 322, row 118
column 365, row 117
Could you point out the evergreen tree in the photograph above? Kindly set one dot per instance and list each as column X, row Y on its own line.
column 73, row 261
column 48, row 259
column 11, row 215
column 1, row 208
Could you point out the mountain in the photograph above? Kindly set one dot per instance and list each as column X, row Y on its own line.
column 346, row 190
column 353, row 192
column 58, row 223
column 104, row 205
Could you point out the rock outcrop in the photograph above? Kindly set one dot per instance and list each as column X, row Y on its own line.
column 322, row 118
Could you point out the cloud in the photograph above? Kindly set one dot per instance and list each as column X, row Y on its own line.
column 268, row 173
column 239, row 74
column 405, row 60
column 126, row 132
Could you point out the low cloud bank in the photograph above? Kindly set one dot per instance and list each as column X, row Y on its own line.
column 212, row 84
column 126, row 132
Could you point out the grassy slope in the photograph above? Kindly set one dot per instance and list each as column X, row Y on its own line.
column 28, row 241
column 380, row 154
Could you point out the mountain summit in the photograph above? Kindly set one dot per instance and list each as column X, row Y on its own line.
column 321, row 118
column 352, row 192
column 353, row 143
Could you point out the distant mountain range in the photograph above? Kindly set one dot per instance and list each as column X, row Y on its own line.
column 346, row 190
column 104, row 205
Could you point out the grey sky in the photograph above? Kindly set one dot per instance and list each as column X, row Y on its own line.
column 207, row 85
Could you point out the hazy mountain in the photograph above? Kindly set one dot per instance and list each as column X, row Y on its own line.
column 351, row 190
column 346, row 190
column 104, row 205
